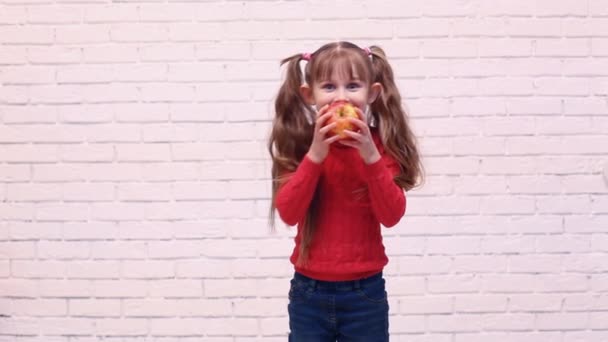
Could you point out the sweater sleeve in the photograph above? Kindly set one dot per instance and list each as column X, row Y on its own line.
column 387, row 198
column 294, row 196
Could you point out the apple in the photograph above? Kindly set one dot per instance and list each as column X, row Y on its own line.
column 341, row 111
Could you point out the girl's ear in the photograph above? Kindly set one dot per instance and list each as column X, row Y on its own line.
column 374, row 91
column 306, row 93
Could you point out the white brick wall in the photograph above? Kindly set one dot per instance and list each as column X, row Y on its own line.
column 134, row 180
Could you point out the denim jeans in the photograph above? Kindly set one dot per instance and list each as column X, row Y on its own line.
column 344, row 311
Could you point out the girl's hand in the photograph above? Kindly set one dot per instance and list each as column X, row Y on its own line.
column 319, row 148
column 362, row 140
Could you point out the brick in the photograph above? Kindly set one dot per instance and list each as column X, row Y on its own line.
column 478, row 27
column 174, row 249
column 507, row 283
column 479, row 264
column 19, row 288
column 585, row 262
column 139, row 32
column 204, row 268
column 535, row 264
column 127, row 192
column 291, row 10
column 30, row 193
column 122, row 327
column 27, row 75
column 459, row 283
column 571, row 204
column 118, row 250
column 454, row 9
column 395, row 9
column 123, row 288
column 458, row 48
column 572, row 336
column 148, row 269
column 480, row 303
column 65, row 288
column 83, row 34
column 55, row 14
column 581, row 302
column 509, row 8
column 501, row 322
column 168, row 52
column 535, row 302
column 562, row 283
column 182, row 32
column 413, row 324
column 150, row 12
column 93, row 269
column 562, row 47
column 14, row 250
column 143, row 152
column 425, row 305
column 423, row 28
column 95, row 307
column 117, row 212
column 567, row 242
column 214, row 288
column 562, row 321
column 177, row 288
column 178, row 326
column 118, row 12
column 456, row 323
column 30, row 34
column 452, row 245
column 122, row 53
column 538, row 27
column 563, row 8
column 63, row 250
column 13, row 55
column 508, row 245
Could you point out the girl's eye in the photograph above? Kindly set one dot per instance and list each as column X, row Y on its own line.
column 328, row 86
column 354, row 86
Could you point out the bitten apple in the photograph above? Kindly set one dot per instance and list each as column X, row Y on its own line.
column 341, row 111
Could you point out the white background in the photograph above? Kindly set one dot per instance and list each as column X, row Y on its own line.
column 134, row 177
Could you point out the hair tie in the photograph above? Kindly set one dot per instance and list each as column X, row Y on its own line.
column 306, row 56
column 367, row 51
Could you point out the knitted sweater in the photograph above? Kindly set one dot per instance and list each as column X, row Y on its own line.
column 354, row 200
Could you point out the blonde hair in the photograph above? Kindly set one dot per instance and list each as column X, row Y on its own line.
column 292, row 130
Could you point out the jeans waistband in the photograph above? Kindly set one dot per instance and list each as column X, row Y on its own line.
column 338, row 285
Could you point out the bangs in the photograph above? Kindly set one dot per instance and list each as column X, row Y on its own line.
column 341, row 62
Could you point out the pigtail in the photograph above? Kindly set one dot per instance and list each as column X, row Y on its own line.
column 292, row 132
column 392, row 120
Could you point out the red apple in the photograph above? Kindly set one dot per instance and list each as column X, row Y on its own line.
column 341, row 111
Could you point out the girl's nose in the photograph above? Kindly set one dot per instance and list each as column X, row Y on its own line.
column 341, row 95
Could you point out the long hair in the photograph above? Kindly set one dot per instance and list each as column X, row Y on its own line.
column 293, row 123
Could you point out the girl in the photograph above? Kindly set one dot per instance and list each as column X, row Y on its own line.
column 339, row 191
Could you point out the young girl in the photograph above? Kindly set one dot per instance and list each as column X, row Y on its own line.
column 339, row 191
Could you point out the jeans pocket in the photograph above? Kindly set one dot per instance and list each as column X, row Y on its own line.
column 299, row 292
column 374, row 292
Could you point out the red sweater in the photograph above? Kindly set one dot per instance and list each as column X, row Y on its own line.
column 355, row 198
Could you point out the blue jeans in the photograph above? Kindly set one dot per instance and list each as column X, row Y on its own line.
column 344, row 311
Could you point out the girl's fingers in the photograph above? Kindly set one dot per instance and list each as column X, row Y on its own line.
column 321, row 119
column 332, row 139
column 359, row 123
column 322, row 110
column 354, row 135
column 323, row 130
column 359, row 111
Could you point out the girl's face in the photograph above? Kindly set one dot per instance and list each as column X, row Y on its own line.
column 341, row 86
